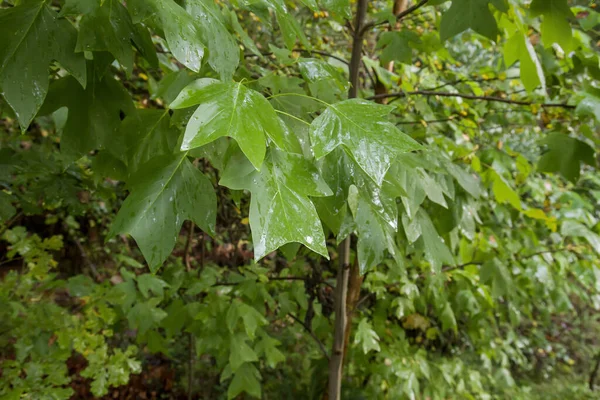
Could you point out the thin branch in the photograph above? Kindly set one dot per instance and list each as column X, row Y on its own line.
column 470, row 97
column 449, row 268
column 319, row 52
column 542, row 252
column 312, row 334
column 188, row 247
column 399, row 16
column 479, row 80
column 427, row 121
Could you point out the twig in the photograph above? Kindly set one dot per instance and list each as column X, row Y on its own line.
column 480, row 80
column 188, row 247
column 399, row 16
column 470, row 97
column 312, row 334
column 319, row 52
column 83, row 253
column 542, row 252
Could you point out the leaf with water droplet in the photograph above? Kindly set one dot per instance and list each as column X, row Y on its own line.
column 148, row 133
column 32, row 37
column 231, row 109
column 359, row 126
column 280, row 209
column 182, row 32
column 107, row 26
column 152, row 218
column 224, row 53
column 94, row 114
column 374, row 213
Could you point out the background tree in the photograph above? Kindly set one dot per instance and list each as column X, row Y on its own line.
column 384, row 200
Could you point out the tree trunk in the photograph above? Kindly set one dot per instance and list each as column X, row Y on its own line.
column 336, row 362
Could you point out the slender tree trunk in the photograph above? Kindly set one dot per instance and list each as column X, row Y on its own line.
column 336, row 362
column 355, row 281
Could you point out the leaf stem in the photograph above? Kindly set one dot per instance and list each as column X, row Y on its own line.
column 274, row 96
column 292, row 116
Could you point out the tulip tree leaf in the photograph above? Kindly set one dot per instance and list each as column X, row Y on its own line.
column 107, row 26
column 565, row 155
column 360, row 128
column 182, row 32
column 471, row 14
column 555, row 24
column 518, row 48
column 94, row 113
column 436, row 251
column 374, row 213
column 164, row 192
column 223, row 55
column 231, row 109
column 7, row 210
column 148, row 133
column 280, row 209
column 33, row 36
column 245, row 379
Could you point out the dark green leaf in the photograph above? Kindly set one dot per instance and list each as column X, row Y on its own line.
column 280, row 210
column 32, row 37
column 166, row 191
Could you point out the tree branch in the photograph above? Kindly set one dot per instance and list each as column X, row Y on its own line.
column 312, row 334
column 319, row 52
column 470, row 97
column 399, row 16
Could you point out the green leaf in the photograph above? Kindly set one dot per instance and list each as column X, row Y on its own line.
column 436, row 251
column 223, row 51
column 495, row 274
column 7, row 210
column 519, row 48
column 325, row 80
column 573, row 228
column 555, row 24
column 166, row 191
column 182, row 32
column 589, row 104
column 448, row 319
column 339, row 8
column 465, row 179
column 397, row 46
column 359, row 127
column 245, row 379
column 291, row 30
column 145, row 315
column 565, row 155
column 94, row 113
column 280, row 210
column 148, row 134
column 32, row 37
column 366, row 336
column 231, row 109
column 376, row 220
column 240, row 352
column 268, row 347
column 471, row 14
column 502, row 190
column 107, row 26
column 151, row 283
